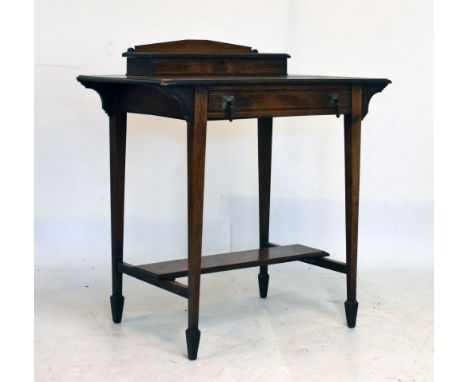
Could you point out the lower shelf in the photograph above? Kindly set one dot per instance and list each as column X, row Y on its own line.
column 234, row 260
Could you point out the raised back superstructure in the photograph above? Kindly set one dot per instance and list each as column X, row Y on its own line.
column 202, row 58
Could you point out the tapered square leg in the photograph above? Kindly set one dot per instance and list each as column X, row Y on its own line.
column 352, row 143
column 265, row 134
column 196, row 143
column 117, row 135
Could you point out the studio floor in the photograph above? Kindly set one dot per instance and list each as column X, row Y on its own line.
column 297, row 334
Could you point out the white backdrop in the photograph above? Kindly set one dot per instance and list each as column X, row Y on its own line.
column 368, row 38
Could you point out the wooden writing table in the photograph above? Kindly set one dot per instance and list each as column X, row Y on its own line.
column 198, row 81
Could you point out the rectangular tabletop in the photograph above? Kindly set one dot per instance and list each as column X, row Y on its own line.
column 233, row 80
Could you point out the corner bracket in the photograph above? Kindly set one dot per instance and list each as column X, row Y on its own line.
column 367, row 93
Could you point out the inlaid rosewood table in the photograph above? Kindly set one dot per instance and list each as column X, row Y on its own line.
column 198, row 81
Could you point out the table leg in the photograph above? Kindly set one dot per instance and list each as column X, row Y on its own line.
column 117, row 135
column 352, row 143
column 196, row 142
column 264, row 185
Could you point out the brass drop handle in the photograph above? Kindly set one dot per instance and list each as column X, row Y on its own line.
column 229, row 106
column 335, row 104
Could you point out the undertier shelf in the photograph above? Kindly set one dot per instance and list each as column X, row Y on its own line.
column 234, row 260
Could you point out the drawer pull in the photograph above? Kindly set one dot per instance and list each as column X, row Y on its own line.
column 335, row 103
column 229, row 106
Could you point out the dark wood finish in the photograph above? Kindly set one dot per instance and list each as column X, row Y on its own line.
column 234, row 260
column 200, row 80
column 265, row 136
column 117, row 139
column 352, row 144
column 143, row 275
column 196, row 143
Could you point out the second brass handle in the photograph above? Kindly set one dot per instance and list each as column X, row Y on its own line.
column 335, row 104
column 229, row 106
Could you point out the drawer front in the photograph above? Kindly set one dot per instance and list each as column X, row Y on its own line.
column 226, row 102
column 206, row 66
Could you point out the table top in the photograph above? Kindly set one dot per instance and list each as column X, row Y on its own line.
column 230, row 80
